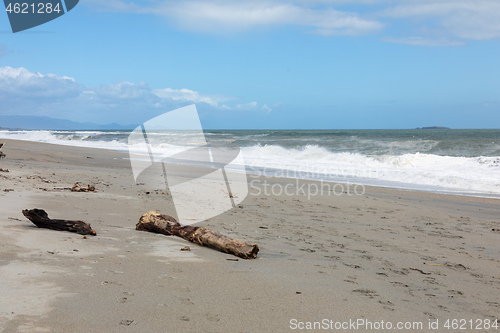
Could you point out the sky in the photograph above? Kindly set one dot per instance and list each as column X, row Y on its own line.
column 261, row 64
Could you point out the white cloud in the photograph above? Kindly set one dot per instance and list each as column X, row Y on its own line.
column 473, row 20
column 184, row 95
column 23, row 92
column 19, row 82
column 205, row 15
column 266, row 108
column 431, row 20
column 113, row 5
column 421, row 41
column 123, row 91
column 253, row 106
column 223, row 16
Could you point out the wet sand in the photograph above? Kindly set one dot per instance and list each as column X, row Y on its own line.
column 387, row 255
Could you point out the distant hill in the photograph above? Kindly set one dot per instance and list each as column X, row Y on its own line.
column 433, row 127
column 47, row 123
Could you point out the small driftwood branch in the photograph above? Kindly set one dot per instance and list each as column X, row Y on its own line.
column 41, row 219
column 2, row 154
column 79, row 188
column 164, row 224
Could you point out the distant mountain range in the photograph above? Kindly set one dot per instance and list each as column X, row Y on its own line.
column 47, row 123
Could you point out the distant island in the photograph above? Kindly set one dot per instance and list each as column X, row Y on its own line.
column 433, row 127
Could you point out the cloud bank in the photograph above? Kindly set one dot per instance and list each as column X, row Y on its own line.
column 438, row 22
column 223, row 16
column 27, row 93
column 467, row 20
column 421, row 41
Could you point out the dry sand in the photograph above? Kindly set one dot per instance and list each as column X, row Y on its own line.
column 390, row 255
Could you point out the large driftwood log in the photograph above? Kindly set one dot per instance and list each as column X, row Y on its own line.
column 167, row 225
column 41, row 219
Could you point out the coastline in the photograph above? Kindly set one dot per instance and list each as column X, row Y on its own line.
column 399, row 159
column 392, row 255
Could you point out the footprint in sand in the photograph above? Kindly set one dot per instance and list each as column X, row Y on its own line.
column 127, row 322
column 388, row 305
column 186, row 301
column 366, row 292
column 104, row 283
column 430, row 315
column 454, row 292
column 213, row 318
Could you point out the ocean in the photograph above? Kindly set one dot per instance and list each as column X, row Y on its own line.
column 464, row 162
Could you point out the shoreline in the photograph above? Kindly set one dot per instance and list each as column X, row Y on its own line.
column 397, row 186
column 388, row 255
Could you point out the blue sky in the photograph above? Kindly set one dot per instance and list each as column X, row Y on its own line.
column 261, row 64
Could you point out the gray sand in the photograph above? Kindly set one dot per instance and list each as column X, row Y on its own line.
column 388, row 255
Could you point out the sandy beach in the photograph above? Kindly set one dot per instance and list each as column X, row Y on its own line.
column 387, row 255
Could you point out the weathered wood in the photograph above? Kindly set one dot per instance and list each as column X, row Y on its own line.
column 2, row 154
column 41, row 219
column 164, row 224
column 79, row 188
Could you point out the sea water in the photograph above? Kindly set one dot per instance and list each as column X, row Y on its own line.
column 437, row 160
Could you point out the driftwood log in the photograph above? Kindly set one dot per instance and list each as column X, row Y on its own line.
column 164, row 224
column 79, row 188
column 41, row 219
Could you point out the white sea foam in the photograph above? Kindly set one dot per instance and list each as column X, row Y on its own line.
column 466, row 175
column 76, row 138
column 474, row 175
